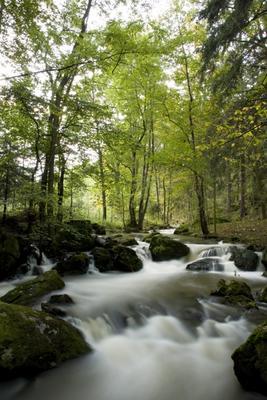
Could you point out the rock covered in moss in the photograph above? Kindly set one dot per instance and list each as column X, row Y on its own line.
column 250, row 361
column 103, row 259
column 125, row 259
column 264, row 258
column 32, row 341
column 206, row 264
column 27, row 293
column 61, row 299
column 74, row 265
column 163, row 248
column 236, row 293
column 244, row 259
column 263, row 295
column 9, row 255
column 183, row 229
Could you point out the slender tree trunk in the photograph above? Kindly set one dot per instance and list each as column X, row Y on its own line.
column 6, row 193
column 199, row 185
column 61, row 189
column 242, row 187
column 164, row 201
column 214, row 205
column 132, row 213
column 229, row 190
column 103, row 184
column 71, row 199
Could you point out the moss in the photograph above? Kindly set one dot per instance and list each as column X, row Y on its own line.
column 163, row 248
column 27, row 293
column 263, row 295
column 32, row 341
column 125, row 259
column 250, row 361
column 76, row 264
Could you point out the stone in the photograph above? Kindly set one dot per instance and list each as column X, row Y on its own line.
column 9, row 255
column 244, row 259
column 264, row 258
column 235, row 293
column 206, row 264
column 181, row 230
column 263, row 295
column 32, row 341
column 55, row 311
column 163, row 248
column 103, row 259
column 125, row 259
column 76, row 264
column 61, row 299
column 28, row 293
column 250, row 361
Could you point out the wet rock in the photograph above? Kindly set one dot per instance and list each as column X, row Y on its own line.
column 27, row 293
column 250, row 361
column 103, row 259
column 264, row 258
column 181, row 230
column 55, row 311
column 33, row 341
column 264, row 274
column 82, row 226
column 263, row 295
column 235, row 293
column 244, row 259
column 125, row 259
column 61, row 299
column 206, row 264
column 9, row 255
column 76, row 264
column 99, row 229
column 148, row 238
column 163, row 248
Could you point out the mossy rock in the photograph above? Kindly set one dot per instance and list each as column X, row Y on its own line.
column 244, row 259
column 264, row 258
column 103, row 259
column 183, row 229
column 163, row 248
column 9, row 255
column 28, row 293
column 235, row 293
column 77, row 264
column 148, row 238
column 33, row 341
column 263, row 295
column 61, row 299
column 82, row 226
column 125, row 259
column 250, row 361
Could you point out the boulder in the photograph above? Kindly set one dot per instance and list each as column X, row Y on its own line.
column 32, row 341
column 244, row 259
column 205, row 264
column 163, row 248
column 76, row 264
column 82, row 226
column 181, row 230
column 125, row 259
column 99, row 229
column 263, row 295
column 55, row 311
column 264, row 258
column 9, row 255
column 103, row 259
column 235, row 293
column 61, row 299
column 250, row 361
column 28, row 293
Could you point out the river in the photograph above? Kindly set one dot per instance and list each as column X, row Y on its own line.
column 157, row 335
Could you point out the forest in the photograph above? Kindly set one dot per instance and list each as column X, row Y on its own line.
column 134, row 120
column 133, row 194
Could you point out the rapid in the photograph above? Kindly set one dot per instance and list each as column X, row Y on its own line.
column 156, row 334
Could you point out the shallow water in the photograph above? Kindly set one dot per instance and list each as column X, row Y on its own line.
column 157, row 335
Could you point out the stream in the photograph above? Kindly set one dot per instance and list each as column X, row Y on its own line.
column 156, row 333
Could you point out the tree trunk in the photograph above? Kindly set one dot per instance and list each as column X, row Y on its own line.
column 229, row 190
column 199, row 185
column 61, row 190
column 6, row 193
column 214, row 205
column 132, row 214
column 103, row 184
column 242, row 187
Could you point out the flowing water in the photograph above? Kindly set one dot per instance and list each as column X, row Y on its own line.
column 157, row 335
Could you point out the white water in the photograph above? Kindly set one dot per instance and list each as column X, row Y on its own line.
column 156, row 334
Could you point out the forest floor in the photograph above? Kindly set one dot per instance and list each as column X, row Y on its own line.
column 248, row 231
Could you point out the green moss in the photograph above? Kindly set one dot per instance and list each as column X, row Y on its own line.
column 32, row 341
column 27, row 293
column 163, row 248
column 263, row 296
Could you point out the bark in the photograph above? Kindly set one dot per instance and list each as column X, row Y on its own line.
column 61, row 190
column 229, row 190
column 199, row 186
column 242, row 186
column 6, row 193
column 103, row 184
column 133, row 189
column 214, row 205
